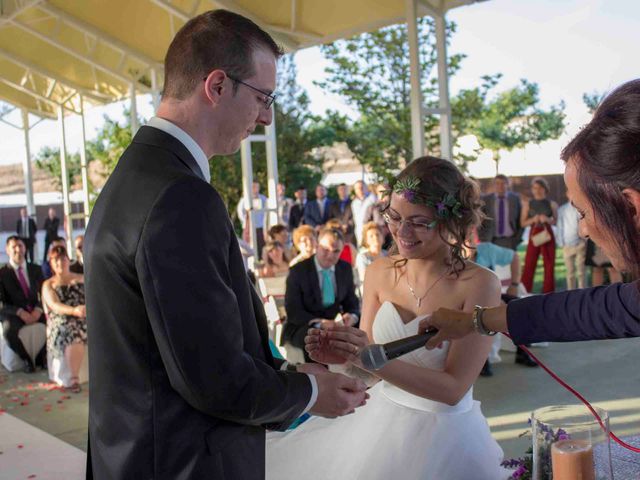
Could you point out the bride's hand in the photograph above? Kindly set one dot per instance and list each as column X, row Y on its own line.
column 344, row 342
column 317, row 346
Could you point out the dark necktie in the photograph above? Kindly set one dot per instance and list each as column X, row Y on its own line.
column 501, row 215
column 24, row 286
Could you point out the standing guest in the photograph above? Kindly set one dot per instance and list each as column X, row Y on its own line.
column 341, row 211
column 296, row 215
column 260, row 216
column 349, row 251
column 20, row 286
column 316, row 213
column 284, row 205
column 305, row 242
column 360, row 205
column 540, row 214
column 574, row 248
column 46, row 267
column 77, row 266
column 51, row 227
column 183, row 381
column 502, row 210
column 318, row 289
column 276, row 263
column 26, row 229
column 600, row 263
column 63, row 297
column 372, row 242
column 374, row 214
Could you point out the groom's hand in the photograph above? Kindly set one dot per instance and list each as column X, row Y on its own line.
column 338, row 395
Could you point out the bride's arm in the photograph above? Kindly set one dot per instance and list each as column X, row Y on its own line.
column 370, row 299
column 464, row 360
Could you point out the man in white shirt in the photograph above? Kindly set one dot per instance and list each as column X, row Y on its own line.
column 574, row 248
column 260, row 215
column 361, row 206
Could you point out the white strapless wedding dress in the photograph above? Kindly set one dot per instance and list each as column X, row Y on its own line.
column 397, row 435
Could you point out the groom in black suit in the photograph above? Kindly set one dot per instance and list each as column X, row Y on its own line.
column 183, row 383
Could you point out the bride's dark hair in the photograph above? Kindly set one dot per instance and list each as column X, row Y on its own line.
column 438, row 179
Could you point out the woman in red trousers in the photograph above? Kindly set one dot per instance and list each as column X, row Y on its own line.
column 540, row 214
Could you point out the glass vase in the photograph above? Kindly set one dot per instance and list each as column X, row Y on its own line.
column 570, row 444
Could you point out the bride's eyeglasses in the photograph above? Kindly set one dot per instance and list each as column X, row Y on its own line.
column 395, row 222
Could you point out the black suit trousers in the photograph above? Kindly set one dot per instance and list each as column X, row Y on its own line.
column 11, row 326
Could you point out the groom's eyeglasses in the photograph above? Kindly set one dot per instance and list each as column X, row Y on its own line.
column 268, row 98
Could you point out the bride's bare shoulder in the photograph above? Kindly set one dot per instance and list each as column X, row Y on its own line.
column 383, row 267
column 479, row 277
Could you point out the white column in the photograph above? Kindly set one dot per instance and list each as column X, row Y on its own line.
column 247, row 194
column 155, row 91
column 65, row 182
column 417, row 118
column 83, row 165
column 134, row 109
column 26, row 165
column 446, row 147
column 272, row 171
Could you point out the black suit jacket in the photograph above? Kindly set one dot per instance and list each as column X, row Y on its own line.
column 312, row 213
column 296, row 216
column 11, row 295
column 51, row 227
column 32, row 228
column 488, row 231
column 345, row 217
column 303, row 299
column 182, row 379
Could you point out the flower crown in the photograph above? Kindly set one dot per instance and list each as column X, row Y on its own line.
column 446, row 207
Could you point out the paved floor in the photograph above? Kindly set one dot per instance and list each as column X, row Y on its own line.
column 606, row 372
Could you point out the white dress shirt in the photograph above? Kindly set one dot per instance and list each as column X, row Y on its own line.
column 194, row 149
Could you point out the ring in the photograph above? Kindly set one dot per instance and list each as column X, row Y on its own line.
column 355, row 350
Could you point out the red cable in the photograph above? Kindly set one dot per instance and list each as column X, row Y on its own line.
column 612, row 435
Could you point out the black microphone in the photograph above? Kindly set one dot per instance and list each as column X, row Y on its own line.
column 374, row 357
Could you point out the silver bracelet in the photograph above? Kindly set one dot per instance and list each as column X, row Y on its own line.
column 478, row 325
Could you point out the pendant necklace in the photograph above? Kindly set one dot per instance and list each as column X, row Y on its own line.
column 419, row 299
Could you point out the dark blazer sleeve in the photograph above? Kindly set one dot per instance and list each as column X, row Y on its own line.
column 311, row 214
column 6, row 305
column 298, row 317
column 350, row 303
column 587, row 314
column 195, row 317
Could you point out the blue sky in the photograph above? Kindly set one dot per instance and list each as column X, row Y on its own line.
column 568, row 47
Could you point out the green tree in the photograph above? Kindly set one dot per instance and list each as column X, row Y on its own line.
column 48, row 159
column 372, row 73
column 592, row 100
column 294, row 139
column 513, row 119
column 111, row 141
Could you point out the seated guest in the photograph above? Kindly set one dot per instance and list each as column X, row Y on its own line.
column 77, row 266
column 319, row 288
column 276, row 263
column 279, row 233
column 20, row 284
column 46, row 268
column 304, row 241
column 349, row 251
column 372, row 241
column 63, row 296
column 341, row 211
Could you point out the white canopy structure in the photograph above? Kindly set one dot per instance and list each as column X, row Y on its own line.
column 57, row 56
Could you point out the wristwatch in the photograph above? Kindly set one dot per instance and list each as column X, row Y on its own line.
column 478, row 326
column 291, row 367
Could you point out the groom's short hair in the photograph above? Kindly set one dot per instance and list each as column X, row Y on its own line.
column 217, row 39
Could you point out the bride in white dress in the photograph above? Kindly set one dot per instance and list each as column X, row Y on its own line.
column 421, row 421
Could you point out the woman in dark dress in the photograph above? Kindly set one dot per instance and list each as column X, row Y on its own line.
column 540, row 214
column 603, row 182
column 63, row 295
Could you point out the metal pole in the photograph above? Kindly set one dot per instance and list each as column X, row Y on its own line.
column 155, row 92
column 134, row 109
column 83, row 166
column 417, row 125
column 65, row 182
column 247, row 193
column 272, row 171
column 446, row 147
column 26, row 165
